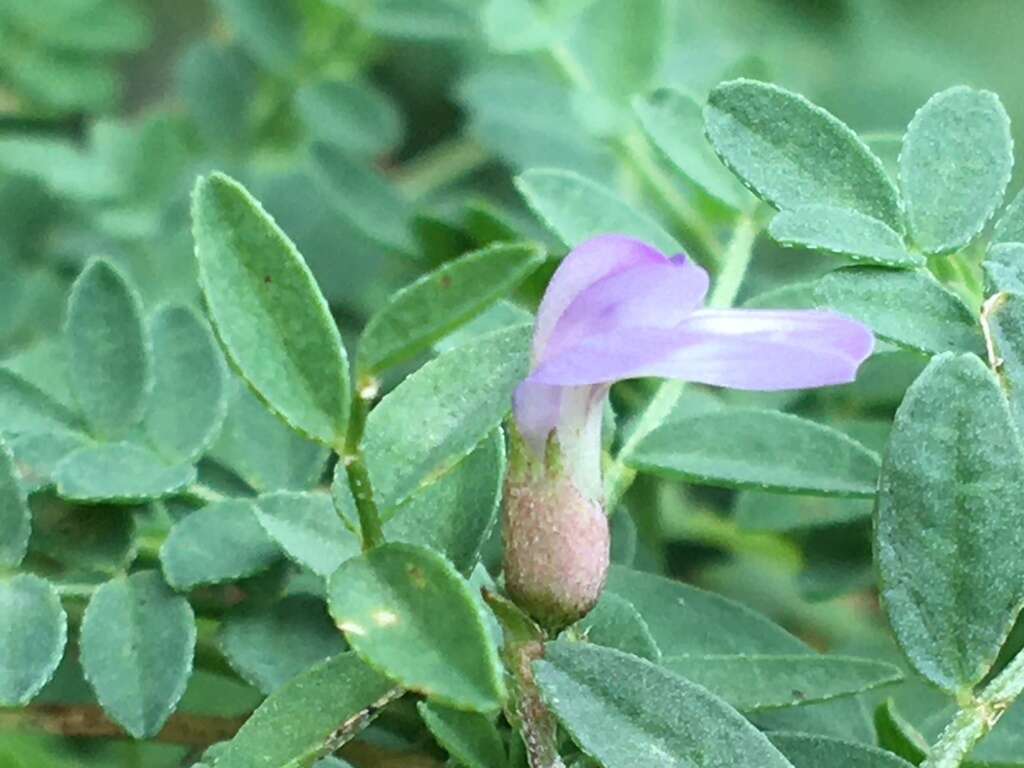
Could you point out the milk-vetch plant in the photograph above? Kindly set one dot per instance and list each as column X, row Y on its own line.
column 505, row 384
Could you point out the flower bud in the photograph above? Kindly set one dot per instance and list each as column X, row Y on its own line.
column 557, row 542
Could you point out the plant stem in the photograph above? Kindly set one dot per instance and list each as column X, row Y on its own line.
column 442, row 164
column 351, row 453
column 977, row 717
column 618, row 476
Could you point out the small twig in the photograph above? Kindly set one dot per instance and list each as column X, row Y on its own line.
column 89, row 721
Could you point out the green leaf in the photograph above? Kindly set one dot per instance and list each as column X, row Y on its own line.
column 843, row 232
column 792, row 153
column 32, row 637
column 351, row 114
column 26, row 408
column 468, row 737
column 119, row 472
column 15, row 517
column 806, row 751
column 219, row 542
column 109, row 355
column 1004, row 268
column 361, row 195
column 625, row 712
column 686, row 620
column 768, row 450
column 948, row 496
column 342, row 498
column 189, row 400
column 909, row 308
column 269, row 645
column 307, row 528
column 263, row 451
column 516, row 26
column 439, row 302
column 615, row 623
column 955, row 164
column 137, row 642
column 37, row 454
column 675, row 123
column 622, row 45
column 268, row 311
column 438, row 414
column 456, row 514
column 270, row 31
column 389, row 602
column 752, row 682
column 299, row 721
column 778, row 512
column 1006, row 325
column 577, row 209
column 1010, row 226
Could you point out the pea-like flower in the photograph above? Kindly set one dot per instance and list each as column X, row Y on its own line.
column 617, row 309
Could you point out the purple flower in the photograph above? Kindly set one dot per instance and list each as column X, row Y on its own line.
column 617, row 309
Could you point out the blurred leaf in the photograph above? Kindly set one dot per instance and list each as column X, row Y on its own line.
column 622, row 45
column 262, row 450
column 84, row 540
column 686, row 620
column 93, row 26
column 32, row 639
column 751, row 682
column 301, row 718
column 948, row 504
column 306, row 526
column 37, row 454
column 843, row 232
column 216, row 543
column 757, row 511
column 218, row 86
column 428, row 20
column 388, row 601
column 806, row 751
column 268, row 311
column 1010, row 226
column 109, row 353
column 954, row 167
column 626, row 712
column 119, row 472
column 468, row 737
column 350, row 114
column 675, row 123
column 363, row 197
column 745, row 448
column 24, row 408
column 441, row 301
column 456, row 514
column 793, row 153
column 910, row 308
column 270, row 645
column 615, row 623
column 516, row 26
column 269, row 30
column 15, row 518
column 137, row 643
column 455, row 399
column 60, row 165
column 189, row 401
column 577, row 209
column 1004, row 268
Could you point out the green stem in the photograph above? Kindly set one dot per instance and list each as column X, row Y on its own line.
column 736, row 260
column 351, row 453
column 977, row 717
column 440, row 166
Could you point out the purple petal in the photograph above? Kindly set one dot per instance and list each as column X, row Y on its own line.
column 741, row 349
column 653, row 294
column 585, row 265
